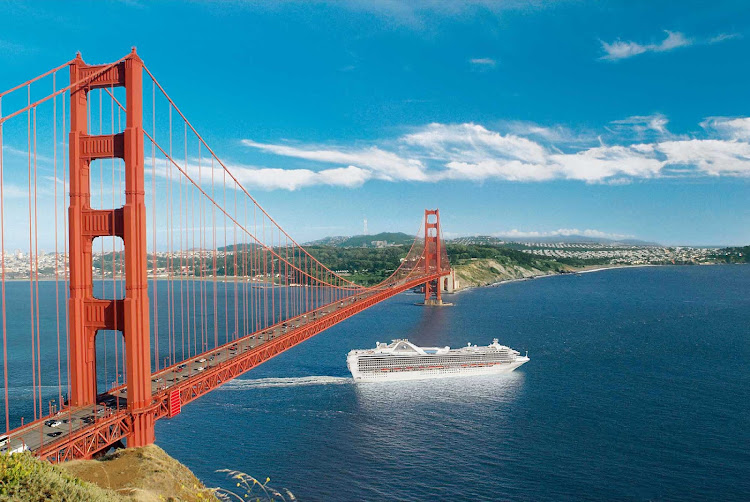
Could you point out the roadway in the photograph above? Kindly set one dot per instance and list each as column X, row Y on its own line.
column 68, row 421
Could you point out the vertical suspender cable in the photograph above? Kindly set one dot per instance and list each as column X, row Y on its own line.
column 254, row 292
column 170, row 259
column 234, row 270
column 121, row 252
column 182, row 273
column 101, row 256
column 57, row 290
column 2, row 274
column 65, row 251
column 153, row 230
column 213, row 226
column 114, row 251
column 36, row 274
column 226, row 251
column 31, row 264
column 245, row 325
column 192, row 263
column 200, row 252
column 273, row 296
column 187, row 250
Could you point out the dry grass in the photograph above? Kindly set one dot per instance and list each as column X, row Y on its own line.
column 144, row 474
column 249, row 488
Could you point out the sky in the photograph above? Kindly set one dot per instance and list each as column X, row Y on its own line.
column 612, row 119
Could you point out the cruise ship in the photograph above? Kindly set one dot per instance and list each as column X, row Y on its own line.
column 402, row 360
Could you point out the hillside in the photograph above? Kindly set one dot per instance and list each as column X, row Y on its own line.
column 479, row 265
column 145, row 474
column 367, row 241
column 734, row 255
column 474, row 264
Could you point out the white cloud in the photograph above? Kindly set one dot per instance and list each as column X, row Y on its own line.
column 294, row 179
column 711, row 156
column 673, row 41
column 473, row 152
column 467, row 142
column 266, row 178
column 484, row 62
column 556, row 133
column 603, row 162
column 641, row 124
column 721, row 37
column 732, row 128
column 497, row 169
column 383, row 164
column 622, row 50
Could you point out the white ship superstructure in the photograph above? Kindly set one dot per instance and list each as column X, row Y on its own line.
column 402, row 360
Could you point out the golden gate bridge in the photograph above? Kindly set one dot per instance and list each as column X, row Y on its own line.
column 162, row 254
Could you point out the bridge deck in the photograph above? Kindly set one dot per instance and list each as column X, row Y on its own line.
column 84, row 431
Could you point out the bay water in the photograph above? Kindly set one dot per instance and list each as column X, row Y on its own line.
column 638, row 388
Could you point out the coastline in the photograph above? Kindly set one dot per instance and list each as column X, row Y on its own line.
column 262, row 284
column 571, row 271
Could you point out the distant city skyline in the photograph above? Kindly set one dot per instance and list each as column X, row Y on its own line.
column 616, row 120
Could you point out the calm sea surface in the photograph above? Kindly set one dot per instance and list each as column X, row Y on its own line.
column 638, row 388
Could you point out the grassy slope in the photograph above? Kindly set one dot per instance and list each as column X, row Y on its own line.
column 141, row 474
column 23, row 477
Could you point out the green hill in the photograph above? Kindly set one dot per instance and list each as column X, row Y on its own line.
column 382, row 239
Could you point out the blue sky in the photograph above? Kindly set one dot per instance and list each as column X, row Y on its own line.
column 605, row 118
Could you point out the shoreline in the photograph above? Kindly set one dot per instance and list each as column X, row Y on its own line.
column 584, row 270
column 244, row 279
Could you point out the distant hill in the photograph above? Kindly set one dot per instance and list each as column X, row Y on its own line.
column 552, row 239
column 368, row 241
column 328, row 241
column 582, row 239
column 400, row 238
column 240, row 246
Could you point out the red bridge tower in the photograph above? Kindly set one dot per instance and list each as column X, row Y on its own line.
column 87, row 314
column 433, row 253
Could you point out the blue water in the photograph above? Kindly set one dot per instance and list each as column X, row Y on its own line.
column 637, row 389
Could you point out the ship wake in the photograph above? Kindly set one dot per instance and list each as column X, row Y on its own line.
column 262, row 383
